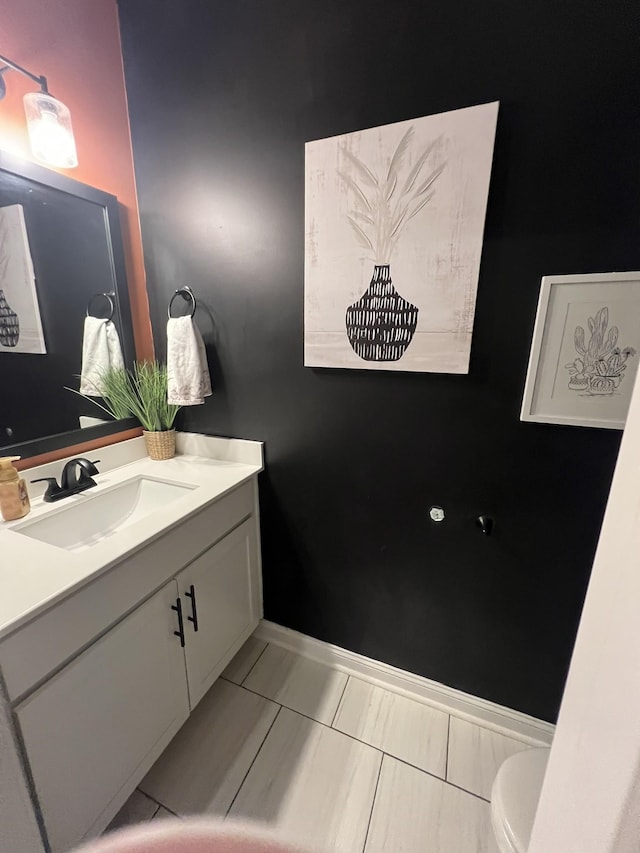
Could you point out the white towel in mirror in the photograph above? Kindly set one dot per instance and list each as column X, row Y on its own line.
column 188, row 377
column 101, row 351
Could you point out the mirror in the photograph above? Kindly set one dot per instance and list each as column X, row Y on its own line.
column 60, row 252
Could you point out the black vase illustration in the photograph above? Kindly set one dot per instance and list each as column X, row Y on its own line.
column 9, row 324
column 381, row 324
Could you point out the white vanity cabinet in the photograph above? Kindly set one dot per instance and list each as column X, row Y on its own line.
column 220, row 597
column 102, row 681
column 107, row 715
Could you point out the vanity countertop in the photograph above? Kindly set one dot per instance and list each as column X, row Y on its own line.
column 34, row 575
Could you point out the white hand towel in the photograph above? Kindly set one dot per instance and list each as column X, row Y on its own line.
column 100, row 351
column 188, row 378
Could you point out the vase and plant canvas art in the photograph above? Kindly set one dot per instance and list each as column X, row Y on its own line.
column 394, row 218
column 20, row 323
column 585, row 350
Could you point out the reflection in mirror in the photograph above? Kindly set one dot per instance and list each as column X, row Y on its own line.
column 60, row 253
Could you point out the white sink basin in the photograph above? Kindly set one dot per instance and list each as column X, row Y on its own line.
column 87, row 519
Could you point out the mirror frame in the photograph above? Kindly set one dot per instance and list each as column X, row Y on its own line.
column 54, row 180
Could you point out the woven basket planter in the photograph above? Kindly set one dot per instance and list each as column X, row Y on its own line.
column 160, row 445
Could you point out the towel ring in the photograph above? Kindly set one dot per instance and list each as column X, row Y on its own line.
column 186, row 294
column 112, row 304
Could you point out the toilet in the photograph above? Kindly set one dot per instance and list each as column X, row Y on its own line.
column 514, row 798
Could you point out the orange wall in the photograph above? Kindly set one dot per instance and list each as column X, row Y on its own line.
column 76, row 45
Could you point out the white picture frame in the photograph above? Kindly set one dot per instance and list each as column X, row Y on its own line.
column 585, row 350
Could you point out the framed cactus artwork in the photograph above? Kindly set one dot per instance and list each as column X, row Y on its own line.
column 20, row 322
column 585, row 350
column 394, row 221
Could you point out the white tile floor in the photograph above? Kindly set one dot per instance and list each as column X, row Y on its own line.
column 330, row 761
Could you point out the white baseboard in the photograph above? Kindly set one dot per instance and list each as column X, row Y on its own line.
column 488, row 714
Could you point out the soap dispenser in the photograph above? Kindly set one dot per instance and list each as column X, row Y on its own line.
column 14, row 499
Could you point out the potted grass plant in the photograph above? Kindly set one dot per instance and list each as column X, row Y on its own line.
column 150, row 407
column 141, row 393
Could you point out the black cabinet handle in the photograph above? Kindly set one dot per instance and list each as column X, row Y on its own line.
column 180, row 632
column 194, row 617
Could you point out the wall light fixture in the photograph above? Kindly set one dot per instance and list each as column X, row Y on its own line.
column 48, row 121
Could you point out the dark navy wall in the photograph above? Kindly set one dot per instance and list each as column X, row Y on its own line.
column 223, row 96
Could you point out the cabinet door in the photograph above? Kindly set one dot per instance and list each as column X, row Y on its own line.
column 95, row 728
column 222, row 586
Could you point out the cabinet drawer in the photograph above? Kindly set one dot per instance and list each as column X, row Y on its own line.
column 40, row 647
column 93, row 729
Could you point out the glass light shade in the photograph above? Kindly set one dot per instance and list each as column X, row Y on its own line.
column 50, row 131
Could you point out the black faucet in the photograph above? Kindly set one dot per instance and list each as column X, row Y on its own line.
column 77, row 475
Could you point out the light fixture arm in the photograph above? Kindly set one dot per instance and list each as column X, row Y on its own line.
column 9, row 65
